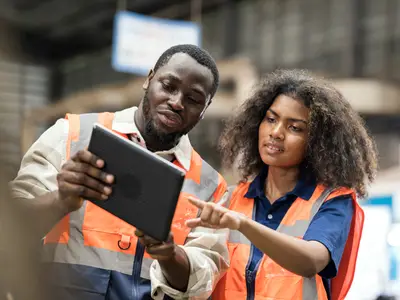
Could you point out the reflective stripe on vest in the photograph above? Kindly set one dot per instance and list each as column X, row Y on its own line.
column 93, row 237
column 298, row 229
column 272, row 281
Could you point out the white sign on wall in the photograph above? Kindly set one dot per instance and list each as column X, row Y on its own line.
column 139, row 40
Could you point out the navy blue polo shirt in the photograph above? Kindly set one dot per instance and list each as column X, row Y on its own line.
column 330, row 226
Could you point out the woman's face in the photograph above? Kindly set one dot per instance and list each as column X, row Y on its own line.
column 282, row 135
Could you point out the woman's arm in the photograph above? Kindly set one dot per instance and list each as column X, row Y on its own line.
column 327, row 232
column 304, row 258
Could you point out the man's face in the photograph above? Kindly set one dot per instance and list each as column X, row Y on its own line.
column 175, row 97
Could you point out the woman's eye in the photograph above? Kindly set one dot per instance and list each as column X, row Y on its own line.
column 294, row 128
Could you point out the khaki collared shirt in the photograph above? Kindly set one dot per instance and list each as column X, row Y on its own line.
column 206, row 249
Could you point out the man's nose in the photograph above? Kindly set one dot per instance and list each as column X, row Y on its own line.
column 176, row 101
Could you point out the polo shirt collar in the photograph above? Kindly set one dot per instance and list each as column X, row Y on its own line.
column 304, row 188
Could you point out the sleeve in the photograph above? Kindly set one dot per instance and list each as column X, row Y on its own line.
column 331, row 226
column 208, row 256
column 41, row 163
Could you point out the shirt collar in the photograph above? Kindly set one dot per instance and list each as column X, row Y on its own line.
column 304, row 188
column 124, row 122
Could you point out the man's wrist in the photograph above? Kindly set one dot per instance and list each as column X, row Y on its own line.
column 60, row 205
column 176, row 269
column 174, row 257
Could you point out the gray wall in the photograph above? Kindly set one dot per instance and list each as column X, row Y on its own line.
column 339, row 38
column 23, row 85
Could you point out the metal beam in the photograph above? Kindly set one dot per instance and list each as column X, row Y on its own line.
column 94, row 15
column 88, row 36
column 46, row 15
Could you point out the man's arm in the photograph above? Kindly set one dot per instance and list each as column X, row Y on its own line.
column 172, row 259
column 46, row 188
column 34, row 192
column 40, row 213
column 205, row 255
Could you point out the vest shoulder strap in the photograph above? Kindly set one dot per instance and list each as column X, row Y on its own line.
column 229, row 193
column 340, row 285
column 80, row 129
column 339, row 192
column 230, row 190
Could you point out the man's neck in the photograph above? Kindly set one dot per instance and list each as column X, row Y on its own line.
column 279, row 182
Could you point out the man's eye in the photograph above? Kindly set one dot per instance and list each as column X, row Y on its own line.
column 167, row 86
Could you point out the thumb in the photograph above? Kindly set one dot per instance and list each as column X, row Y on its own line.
column 192, row 223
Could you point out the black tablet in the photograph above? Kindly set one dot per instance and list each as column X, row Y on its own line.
column 146, row 187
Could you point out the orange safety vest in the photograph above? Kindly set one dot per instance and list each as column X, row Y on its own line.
column 95, row 238
column 274, row 282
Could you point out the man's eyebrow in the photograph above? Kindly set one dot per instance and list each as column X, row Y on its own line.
column 175, row 78
column 172, row 77
column 199, row 91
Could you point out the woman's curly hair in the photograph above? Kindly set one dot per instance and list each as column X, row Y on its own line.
column 340, row 152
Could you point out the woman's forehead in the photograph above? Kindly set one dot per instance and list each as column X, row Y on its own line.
column 288, row 107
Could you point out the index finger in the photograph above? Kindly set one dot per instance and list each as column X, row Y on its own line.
column 88, row 157
column 196, row 202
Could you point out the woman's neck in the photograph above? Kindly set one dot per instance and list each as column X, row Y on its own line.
column 279, row 182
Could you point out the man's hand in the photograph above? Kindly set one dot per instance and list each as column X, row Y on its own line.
column 81, row 177
column 161, row 251
column 172, row 259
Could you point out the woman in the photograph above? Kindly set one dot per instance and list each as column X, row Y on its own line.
column 304, row 155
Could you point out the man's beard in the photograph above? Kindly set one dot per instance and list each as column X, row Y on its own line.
column 155, row 134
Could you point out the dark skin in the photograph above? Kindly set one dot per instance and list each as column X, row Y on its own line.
column 340, row 151
column 282, row 137
column 176, row 96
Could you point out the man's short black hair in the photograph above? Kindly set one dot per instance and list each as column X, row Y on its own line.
column 200, row 55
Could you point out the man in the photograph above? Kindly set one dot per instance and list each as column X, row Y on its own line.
column 91, row 254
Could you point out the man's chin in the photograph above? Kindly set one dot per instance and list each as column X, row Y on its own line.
column 161, row 130
column 164, row 135
column 163, row 126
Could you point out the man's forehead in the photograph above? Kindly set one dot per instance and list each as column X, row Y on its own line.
column 180, row 59
column 185, row 66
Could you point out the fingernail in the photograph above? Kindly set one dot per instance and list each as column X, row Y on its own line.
column 104, row 197
column 100, row 163
column 107, row 190
column 110, row 178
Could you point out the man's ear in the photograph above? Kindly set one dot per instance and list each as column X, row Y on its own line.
column 149, row 77
column 204, row 110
